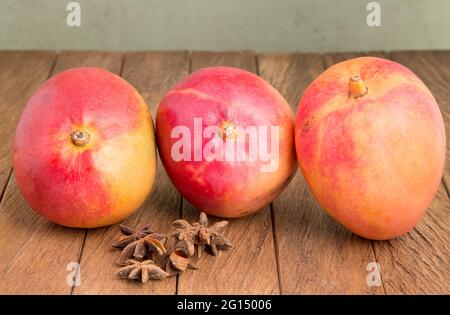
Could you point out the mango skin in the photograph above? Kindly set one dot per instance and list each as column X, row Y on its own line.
column 224, row 94
column 374, row 163
column 98, row 184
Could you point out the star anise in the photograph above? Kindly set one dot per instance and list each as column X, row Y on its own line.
column 146, row 254
column 178, row 257
column 139, row 244
column 141, row 271
column 201, row 234
column 130, row 235
column 177, row 263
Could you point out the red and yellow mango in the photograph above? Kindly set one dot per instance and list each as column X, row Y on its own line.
column 226, row 98
column 370, row 141
column 84, row 149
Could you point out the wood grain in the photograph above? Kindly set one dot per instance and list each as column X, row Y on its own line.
column 152, row 74
column 419, row 262
column 20, row 74
column 250, row 267
column 433, row 68
column 316, row 254
column 111, row 61
column 333, row 58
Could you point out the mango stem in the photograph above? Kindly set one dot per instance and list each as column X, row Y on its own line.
column 357, row 87
column 228, row 129
column 80, row 138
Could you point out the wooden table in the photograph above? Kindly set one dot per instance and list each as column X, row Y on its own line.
column 290, row 247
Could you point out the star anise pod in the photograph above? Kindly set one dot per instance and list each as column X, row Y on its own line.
column 139, row 243
column 177, row 263
column 129, row 235
column 143, row 248
column 201, row 234
column 179, row 258
column 141, row 271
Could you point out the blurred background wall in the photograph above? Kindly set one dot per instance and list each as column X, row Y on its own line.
column 260, row 25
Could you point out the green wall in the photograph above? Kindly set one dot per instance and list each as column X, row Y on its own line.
column 260, row 25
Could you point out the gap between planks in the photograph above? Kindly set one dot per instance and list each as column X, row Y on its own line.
column 345, row 57
column 29, row 70
column 8, row 178
column 277, row 252
column 251, row 266
column 272, row 216
column 80, row 256
column 152, row 74
column 7, row 182
column 420, row 262
column 316, row 255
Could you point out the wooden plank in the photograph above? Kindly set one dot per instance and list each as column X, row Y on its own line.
column 37, row 251
column 152, row 74
column 316, row 254
column 433, row 68
column 418, row 262
column 111, row 61
column 239, row 59
column 250, row 267
column 20, row 75
column 333, row 58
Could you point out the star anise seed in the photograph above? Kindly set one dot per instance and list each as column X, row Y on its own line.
column 187, row 248
column 177, row 263
column 201, row 234
column 129, row 235
column 141, row 271
column 181, row 224
column 143, row 248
